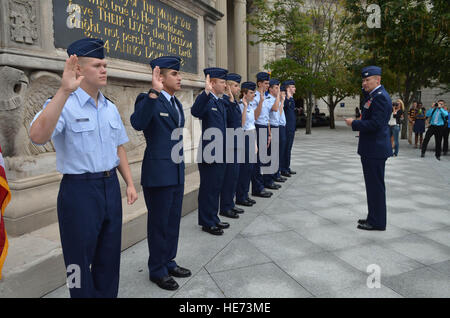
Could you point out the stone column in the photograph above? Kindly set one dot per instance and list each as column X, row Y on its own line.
column 240, row 38
column 221, row 36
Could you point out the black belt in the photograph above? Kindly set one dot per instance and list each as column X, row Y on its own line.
column 89, row 175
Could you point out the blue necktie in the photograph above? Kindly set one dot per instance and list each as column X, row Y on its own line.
column 172, row 100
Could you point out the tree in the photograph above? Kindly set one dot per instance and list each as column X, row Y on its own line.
column 411, row 46
column 319, row 56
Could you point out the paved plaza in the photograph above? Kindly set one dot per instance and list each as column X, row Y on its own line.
column 303, row 242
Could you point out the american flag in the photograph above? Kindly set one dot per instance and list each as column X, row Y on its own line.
column 5, row 197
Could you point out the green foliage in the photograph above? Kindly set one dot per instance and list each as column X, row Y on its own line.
column 319, row 53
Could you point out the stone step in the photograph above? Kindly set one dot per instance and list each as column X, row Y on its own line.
column 34, row 265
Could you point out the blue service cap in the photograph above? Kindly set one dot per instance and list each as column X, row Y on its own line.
column 216, row 72
column 283, row 88
column 262, row 76
column 370, row 71
column 274, row 81
column 234, row 77
column 249, row 85
column 171, row 62
column 87, row 47
column 288, row 82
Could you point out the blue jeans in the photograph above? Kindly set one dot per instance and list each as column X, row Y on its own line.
column 396, row 131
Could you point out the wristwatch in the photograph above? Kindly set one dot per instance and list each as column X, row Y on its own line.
column 154, row 91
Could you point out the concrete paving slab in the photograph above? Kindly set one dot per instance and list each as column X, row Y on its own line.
column 239, row 253
column 423, row 282
column 263, row 225
column 441, row 236
column 419, row 248
column 282, row 246
column 390, row 262
column 200, row 286
column 323, row 273
column 258, row 281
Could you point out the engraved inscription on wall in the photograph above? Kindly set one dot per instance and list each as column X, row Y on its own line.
column 134, row 30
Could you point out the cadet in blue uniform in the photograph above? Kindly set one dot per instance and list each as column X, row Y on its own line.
column 261, row 124
column 291, row 119
column 270, row 119
column 282, row 139
column 233, row 148
column 250, row 149
column 374, row 146
column 211, row 110
column 88, row 135
column 158, row 113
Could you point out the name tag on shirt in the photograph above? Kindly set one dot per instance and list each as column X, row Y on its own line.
column 81, row 120
column 164, row 114
column 367, row 105
column 215, row 109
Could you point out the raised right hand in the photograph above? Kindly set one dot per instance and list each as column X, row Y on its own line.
column 156, row 79
column 208, row 86
column 70, row 82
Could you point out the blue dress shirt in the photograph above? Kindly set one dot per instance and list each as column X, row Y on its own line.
column 86, row 137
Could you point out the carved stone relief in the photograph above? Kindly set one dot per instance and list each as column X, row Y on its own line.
column 23, row 21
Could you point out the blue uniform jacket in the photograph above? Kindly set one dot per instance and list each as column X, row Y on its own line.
column 158, row 118
column 213, row 114
column 234, row 116
column 374, row 138
column 289, row 112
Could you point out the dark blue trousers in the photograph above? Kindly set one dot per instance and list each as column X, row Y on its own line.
column 257, row 178
column 211, row 181
column 90, row 226
column 282, row 151
column 164, row 205
column 373, row 170
column 229, row 186
column 290, row 134
column 268, row 178
column 245, row 169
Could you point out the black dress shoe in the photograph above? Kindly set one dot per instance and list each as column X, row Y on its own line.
column 251, row 201
column 279, row 179
column 422, row 155
column 244, row 203
column 438, row 158
column 272, row 186
column 292, row 172
column 229, row 214
column 214, row 230
column 166, row 282
column 180, row 272
column 262, row 194
column 362, row 221
column 223, row 225
column 237, row 210
column 286, row 174
column 284, row 179
column 366, row 226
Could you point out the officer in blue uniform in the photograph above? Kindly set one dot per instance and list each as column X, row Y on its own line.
column 250, row 151
column 211, row 110
column 88, row 135
column 291, row 119
column 234, row 149
column 374, row 146
column 261, row 124
column 270, row 120
column 158, row 114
